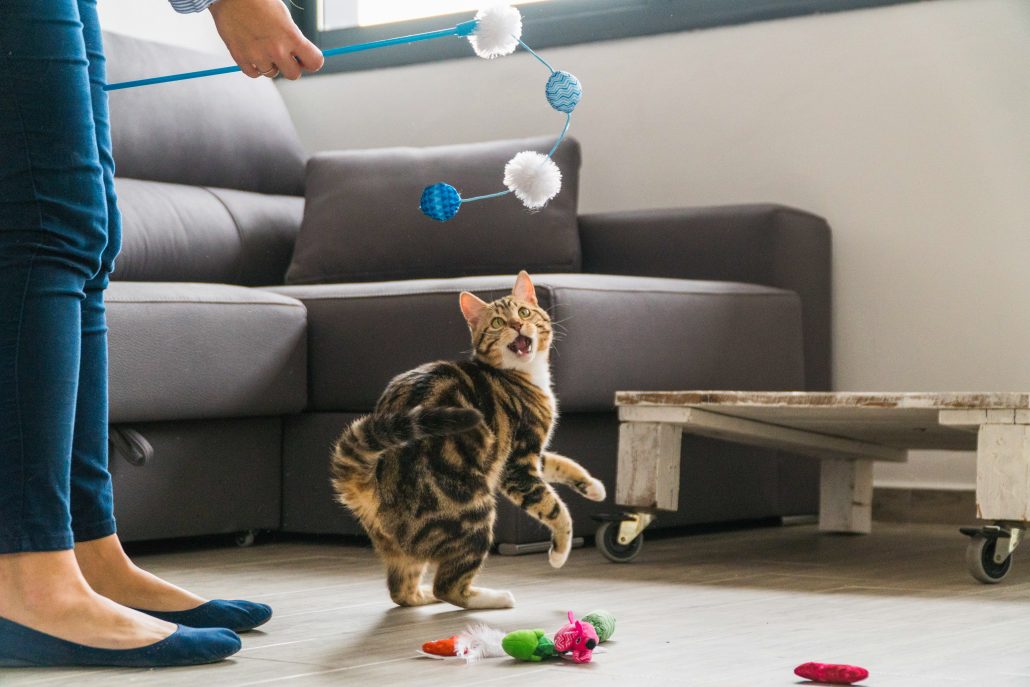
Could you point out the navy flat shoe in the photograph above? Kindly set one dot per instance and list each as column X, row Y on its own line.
column 21, row 646
column 234, row 615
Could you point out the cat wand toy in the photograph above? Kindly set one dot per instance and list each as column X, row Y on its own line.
column 533, row 177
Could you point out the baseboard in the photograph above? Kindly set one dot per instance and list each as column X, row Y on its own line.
column 932, row 506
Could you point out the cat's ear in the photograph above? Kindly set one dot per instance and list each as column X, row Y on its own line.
column 472, row 308
column 524, row 290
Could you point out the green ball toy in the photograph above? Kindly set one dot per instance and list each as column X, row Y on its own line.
column 603, row 622
column 528, row 645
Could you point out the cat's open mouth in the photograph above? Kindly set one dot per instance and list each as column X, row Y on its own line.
column 522, row 345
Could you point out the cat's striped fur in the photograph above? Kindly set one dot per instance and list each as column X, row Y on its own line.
column 421, row 472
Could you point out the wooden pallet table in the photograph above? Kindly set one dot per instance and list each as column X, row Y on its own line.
column 847, row 431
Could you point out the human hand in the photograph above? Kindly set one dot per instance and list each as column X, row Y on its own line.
column 262, row 38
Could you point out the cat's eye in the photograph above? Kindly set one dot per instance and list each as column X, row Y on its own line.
column 524, row 312
column 497, row 322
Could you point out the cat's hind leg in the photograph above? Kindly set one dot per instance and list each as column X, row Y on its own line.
column 558, row 469
column 454, row 576
column 404, row 579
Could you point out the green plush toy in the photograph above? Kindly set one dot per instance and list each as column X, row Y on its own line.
column 528, row 645
column 603, row 622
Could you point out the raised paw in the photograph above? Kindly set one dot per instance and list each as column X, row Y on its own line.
column 558, row 555
column 595, row 490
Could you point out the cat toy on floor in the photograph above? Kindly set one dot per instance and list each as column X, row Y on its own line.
column 831, row 673
column 577, row 639
column 533, row 177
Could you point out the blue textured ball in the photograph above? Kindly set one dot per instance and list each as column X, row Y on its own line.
column 440, row 202
column 563, row 91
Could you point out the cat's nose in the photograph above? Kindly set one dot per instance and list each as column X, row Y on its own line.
column 517, row 326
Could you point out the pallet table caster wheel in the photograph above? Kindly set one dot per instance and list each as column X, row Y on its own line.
column 989, row 553
column 608, row 542
column 981, row 562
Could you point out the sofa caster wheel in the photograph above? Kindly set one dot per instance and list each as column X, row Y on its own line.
column 611, row 548
column 246, row 538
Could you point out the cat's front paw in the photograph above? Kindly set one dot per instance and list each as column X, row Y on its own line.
column 595, row 491
column 558, row 555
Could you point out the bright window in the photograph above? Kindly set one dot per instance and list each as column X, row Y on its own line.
column 340, row 14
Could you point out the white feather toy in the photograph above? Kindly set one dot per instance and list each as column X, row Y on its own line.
column 478, row 642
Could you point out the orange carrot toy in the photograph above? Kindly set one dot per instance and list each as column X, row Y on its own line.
column 441, row 647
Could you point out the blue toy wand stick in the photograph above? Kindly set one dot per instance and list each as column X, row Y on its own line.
column 463, row 29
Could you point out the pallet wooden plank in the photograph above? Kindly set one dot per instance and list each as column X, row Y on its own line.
column 1003, row 473
column 939, row 400
column 753, row 433
column 846, row 496
column 648, row 473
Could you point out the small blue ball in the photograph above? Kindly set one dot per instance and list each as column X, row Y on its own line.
column 563, row 91
column 440, row 202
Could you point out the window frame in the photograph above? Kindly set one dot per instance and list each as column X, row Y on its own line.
column 561, row 22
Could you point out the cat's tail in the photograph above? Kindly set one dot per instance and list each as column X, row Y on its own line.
column 359, row 447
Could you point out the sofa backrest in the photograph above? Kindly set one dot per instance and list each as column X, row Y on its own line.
column 210, row 172
column 224, row 131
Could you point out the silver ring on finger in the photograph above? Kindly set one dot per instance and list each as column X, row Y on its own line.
column 271, row 72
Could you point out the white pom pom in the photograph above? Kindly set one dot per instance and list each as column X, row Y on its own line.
column 533, row 177
column 498, row 31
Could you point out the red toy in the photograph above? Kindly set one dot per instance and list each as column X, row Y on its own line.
column 441, row 647
column 832, row 673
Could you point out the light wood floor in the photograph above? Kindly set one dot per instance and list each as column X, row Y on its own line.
column 737, row 609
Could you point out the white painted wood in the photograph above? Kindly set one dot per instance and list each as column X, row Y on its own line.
column 853, row 399
column 752, row 433
column 1003, row 473
column 962, row 418
column 1001, row 417
column 848, row 431
column 649, row 465
column 846, row 496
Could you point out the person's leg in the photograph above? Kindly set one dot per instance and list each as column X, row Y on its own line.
column 98, row 550
column 101, row 557
column 52, row 231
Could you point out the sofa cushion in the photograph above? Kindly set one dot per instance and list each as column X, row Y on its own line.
column 362, row 220
column 182, row 351
column 173, row 232
column 225, row 131
column 616, row 332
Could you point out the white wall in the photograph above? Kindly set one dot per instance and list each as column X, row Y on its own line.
column 155, row 20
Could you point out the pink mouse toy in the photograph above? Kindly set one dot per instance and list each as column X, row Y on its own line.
column 578, row 637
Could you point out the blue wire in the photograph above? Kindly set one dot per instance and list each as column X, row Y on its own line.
column 568, row 120
column 533, row 53
column 489, row 195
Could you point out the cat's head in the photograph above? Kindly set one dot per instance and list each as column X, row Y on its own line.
column 513, row 332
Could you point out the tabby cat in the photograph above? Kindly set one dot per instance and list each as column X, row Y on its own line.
column 421, row 472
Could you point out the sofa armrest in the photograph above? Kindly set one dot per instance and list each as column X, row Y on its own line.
column 761, row 244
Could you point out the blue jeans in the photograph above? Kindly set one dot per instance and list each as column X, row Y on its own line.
column 59, row 234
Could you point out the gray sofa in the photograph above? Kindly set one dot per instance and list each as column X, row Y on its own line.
column 229, row 385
